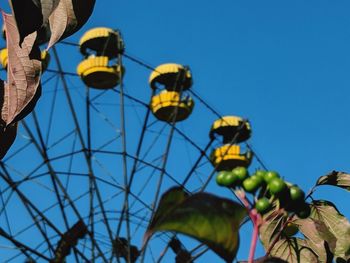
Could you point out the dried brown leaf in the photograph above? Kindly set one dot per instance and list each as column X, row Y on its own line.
column 316, row 234
column 270, row 229
column 338, row 225
column 294, row 250
column 68, row 18
column 47, row 7
column 24, row 70
column 335, row 178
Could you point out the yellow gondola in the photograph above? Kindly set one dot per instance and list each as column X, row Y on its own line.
column 101, row 41
column 229, row 156
column 169, row 76
column 233, row 129
column 4, row 57
column 168, row 105
column 45, row 59
column 97, row 73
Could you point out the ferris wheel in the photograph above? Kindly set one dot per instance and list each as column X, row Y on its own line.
column 90, row 164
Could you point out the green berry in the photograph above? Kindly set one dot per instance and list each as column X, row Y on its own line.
column 304, row 211
column 290, row 229
column 240, row 172
column 269, row 175
column 250, row 185
column 263, row 205
column 220, row 178
column 296, row 194
column 258, row 179
column 229, row 179
column 276, row 185
column 226, row 178
column 260, row 173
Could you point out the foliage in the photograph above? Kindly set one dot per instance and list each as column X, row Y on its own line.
column 208, row 218
column 324, row 234
column 34, row 22
column 324, row 231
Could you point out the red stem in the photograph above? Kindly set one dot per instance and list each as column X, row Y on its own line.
column 254, row 218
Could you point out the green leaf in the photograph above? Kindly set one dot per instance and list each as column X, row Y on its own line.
column 294, row 250
column 318, row 237
column 170, row 199
column 336, row 223
column 335, row 178
column 271, row 227
column 210, row 219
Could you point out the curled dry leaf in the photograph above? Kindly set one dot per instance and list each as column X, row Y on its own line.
column 7, row 135
column 335, row 178
column 294, row 250
column 337, row 225
column 47, row 7
column 24, row 70
column 318, row 237
column 271, row 228
column 68, row 18
column 53, row 20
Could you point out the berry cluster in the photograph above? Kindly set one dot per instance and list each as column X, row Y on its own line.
column 266, row 186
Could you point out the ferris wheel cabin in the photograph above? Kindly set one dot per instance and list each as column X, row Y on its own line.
column 101, row 69
column 171, row 104
column 234, row 130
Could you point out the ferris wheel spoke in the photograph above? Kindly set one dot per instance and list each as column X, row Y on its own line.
column 53, row 104
column 135, row 161
column 30, row 176
column 149, row 164
column 128, row 96
column 29, row 206
column 42, row 149
column 203, row 154
column 57, row 184
column 22, row 247
column 103, row 117
column 4, row 210
column 154, row 141
column 125, row 207
column 9, row 157
column 80, row 136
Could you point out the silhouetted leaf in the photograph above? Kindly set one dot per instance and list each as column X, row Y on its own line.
column 318, row 237
column 68, row 18
column 23, row 74
column 52, row 19
column 294, row 250
column 7, row 137
column 28, row 16
column 336, row 223
column 335, row 178
column 210, row 219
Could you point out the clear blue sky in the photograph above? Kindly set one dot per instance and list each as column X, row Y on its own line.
column 284, row 65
